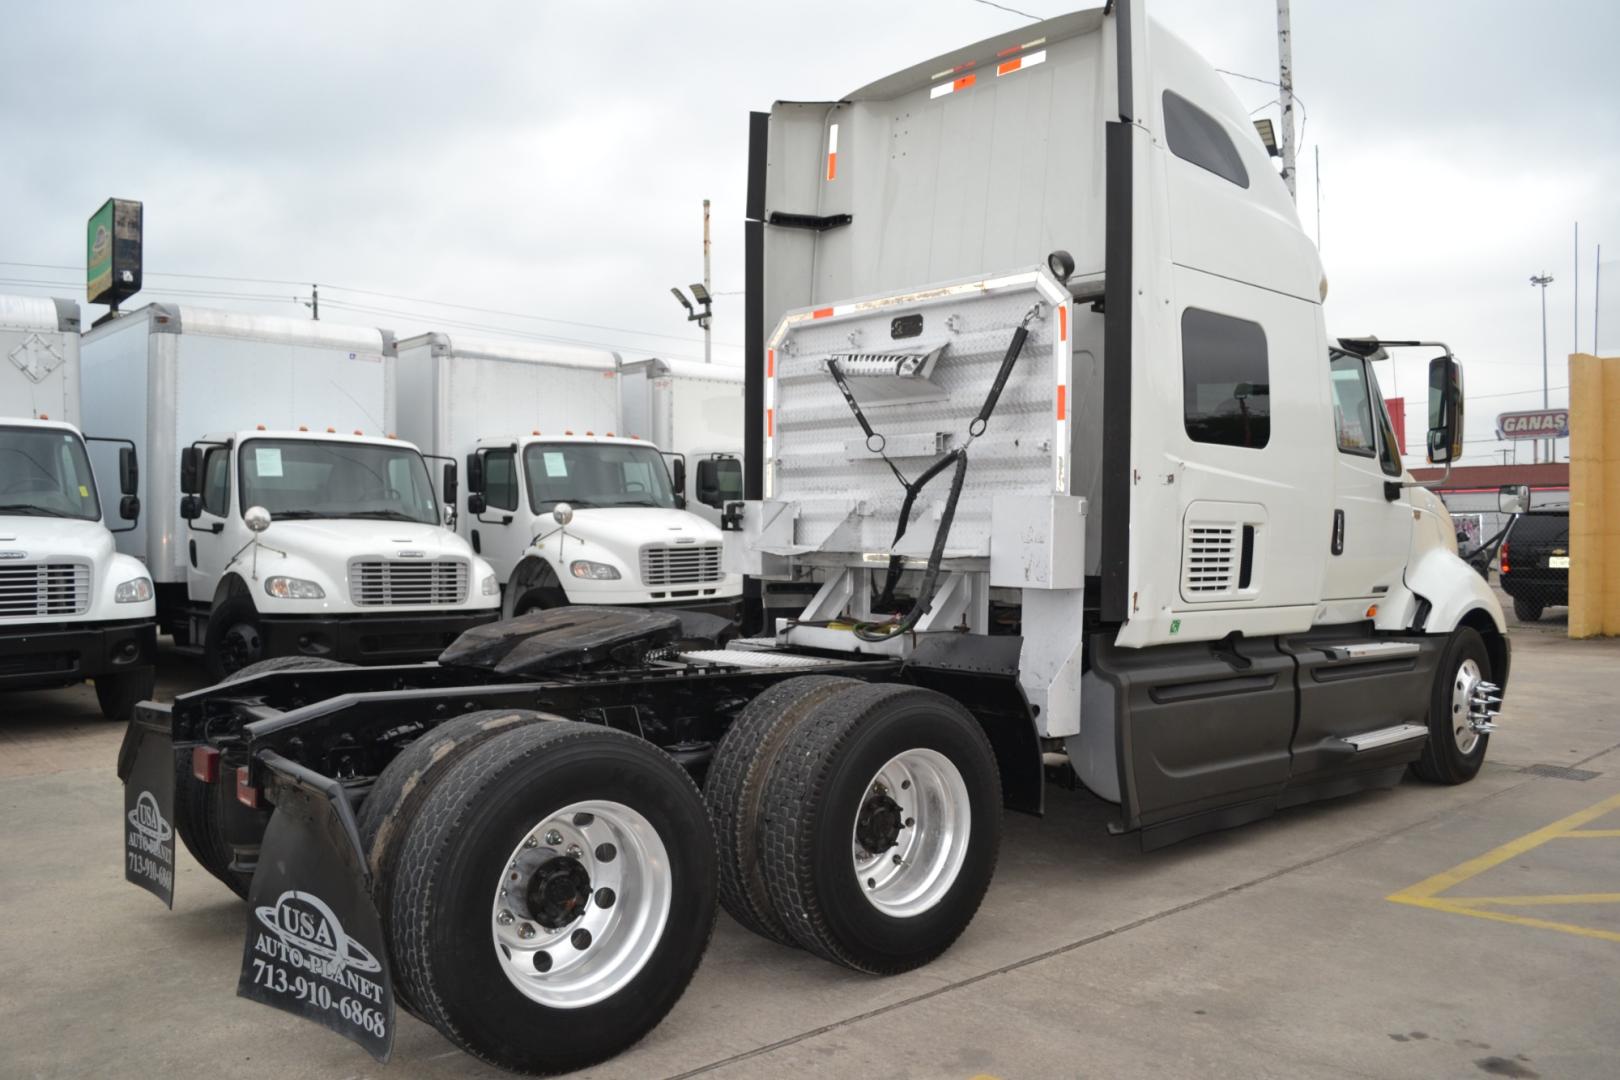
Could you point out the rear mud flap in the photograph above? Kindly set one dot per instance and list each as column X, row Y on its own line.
column 146, row 763
column 314, row 944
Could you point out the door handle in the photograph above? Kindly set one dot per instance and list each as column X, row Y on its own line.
column 1338, row 532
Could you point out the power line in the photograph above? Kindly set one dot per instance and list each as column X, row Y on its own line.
column 1015, row 11
column 408, row 300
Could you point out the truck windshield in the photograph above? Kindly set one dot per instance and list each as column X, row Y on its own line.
column 310, row 478
column 44, row 472
column 595, row 474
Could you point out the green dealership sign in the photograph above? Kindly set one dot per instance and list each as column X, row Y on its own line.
column 112, row 252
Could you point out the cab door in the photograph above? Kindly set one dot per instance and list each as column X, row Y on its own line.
column 1371, row 530
column 503, row 529
column 209, row 535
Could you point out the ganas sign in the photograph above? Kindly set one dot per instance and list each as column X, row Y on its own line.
column 1536, row 424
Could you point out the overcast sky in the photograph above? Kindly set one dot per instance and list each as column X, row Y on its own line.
column 551, row 159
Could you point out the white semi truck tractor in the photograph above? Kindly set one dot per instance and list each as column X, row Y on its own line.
column 566, row 500
column 284, row 516
column 71, row 607
column 1041, row 405
column 694, row 411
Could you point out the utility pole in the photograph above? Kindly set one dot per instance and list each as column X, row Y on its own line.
column 1543, row 280
column 1285, row 79
column 708, row 286
column 314, row 302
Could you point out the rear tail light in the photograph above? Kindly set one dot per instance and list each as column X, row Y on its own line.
column 246, row 793
column 205, row 764
column 1502, row 564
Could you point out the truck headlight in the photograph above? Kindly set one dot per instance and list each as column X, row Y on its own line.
column 134, row 591
column 292, row 588
column 594, row 571
column 489, row 586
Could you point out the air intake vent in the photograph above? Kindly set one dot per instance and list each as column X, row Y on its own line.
column 1209, row 564
column 375, row 582
column 56, row 589
column 687, row 564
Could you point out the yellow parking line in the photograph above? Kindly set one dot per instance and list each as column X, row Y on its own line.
column 1427, row 893
column 1535, row 901
column 1595, row 834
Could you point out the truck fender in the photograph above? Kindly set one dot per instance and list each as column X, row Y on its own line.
column 534, row 572
column 230, row 587
column 1458, row 596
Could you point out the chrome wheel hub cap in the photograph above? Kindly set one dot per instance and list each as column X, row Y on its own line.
column 1474, row 705
column 582, row 903
column 911, row 833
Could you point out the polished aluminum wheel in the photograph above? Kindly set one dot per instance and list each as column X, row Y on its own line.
column 1463, row 684
column 582, row 903
column 911, row 833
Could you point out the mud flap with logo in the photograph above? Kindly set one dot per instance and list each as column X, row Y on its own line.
column 314, row 943
column 147, row 758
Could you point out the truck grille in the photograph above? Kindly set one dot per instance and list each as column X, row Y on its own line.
column 685, row 564
column 44, row 589
column 374, row 582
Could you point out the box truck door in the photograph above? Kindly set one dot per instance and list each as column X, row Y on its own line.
column 504, row 528
column 207, row 539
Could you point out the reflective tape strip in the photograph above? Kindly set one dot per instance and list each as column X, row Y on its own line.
column 770, row 423
column 821, row 313
column 1022, row 62
column 770, row 363
column 1062, row 402
column 1063, row 322
column 832, row 152
column 952, row 87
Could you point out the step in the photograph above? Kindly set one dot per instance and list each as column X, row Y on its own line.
column 1372, row 740
column 1371, row 650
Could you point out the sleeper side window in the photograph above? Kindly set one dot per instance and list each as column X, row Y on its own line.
column 1353, row 406
column 1194, row 135
column 216, row 492
column 500, row 479
column 1226, row 381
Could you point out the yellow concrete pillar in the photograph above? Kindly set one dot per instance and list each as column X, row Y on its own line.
column 1594, row 495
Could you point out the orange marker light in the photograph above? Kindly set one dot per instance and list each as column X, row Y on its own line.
column 568, row 433
column 303, row 427
column 1372, row 611
column 331, row 431
column 259, row 427
column 357, row 431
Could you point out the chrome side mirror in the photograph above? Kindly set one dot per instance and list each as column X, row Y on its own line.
column 562, row 513
column 256, row 518
column 1513, row 498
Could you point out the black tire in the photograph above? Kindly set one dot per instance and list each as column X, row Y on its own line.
column 1527, row 610
column 197, row 816
column 455, row 853
column 119, row 693
column 814, row 793
column 198, row 807
column 1443, row 761
column 235, row 640
column 734, row 790
column 390, row 807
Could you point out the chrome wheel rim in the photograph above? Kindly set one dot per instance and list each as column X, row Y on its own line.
column 911, row 833
column 1463, row 684
column 581, row 904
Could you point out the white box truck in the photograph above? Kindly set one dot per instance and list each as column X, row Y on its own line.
column 568, row 503
column 71, row 607
column 1040, row 397
column 243, row 416
column 695, row 411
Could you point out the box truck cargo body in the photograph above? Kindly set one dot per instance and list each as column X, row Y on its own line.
column 541, row 427
column 694, row 410
column 1041, row 406
column 242, row 411
column 71, row 607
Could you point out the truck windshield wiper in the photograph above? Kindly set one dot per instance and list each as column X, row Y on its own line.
column 30, row 508
column 299, row 515
column 384, row 515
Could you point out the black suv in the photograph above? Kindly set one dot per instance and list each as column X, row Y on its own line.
column 1535, row 562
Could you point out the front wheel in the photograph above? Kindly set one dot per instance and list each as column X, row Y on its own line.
column 1455, row 749
column 882, row 823
column 553, row 896
column 235, row 639
column 119, row 693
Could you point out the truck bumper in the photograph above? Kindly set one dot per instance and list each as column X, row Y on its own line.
column 370, row 639
column 729, row 607
column 62, row 654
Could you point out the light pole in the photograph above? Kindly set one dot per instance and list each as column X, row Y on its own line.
column 700, row 293
column 1544, row 280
